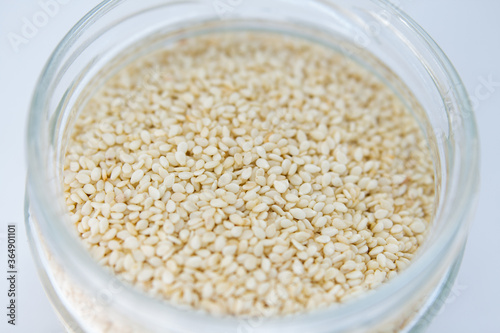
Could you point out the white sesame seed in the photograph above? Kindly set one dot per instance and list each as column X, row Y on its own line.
column 169, row 180
column 185, row 175
column 247, row 173
column 210, row 150
column 96, row 174
column 381, row 214
column 225, row 179
column 119, row 208
column 131, row 243
column 182, row 147
column 89, row 189
column 262, row 207
column 146, row 137
column 305, row 188
column 109, row 139
column 136, row 176
column 262, row 163
column 312, row 168
column 194, row 262
column 281, row 186
column 323, row 239
column 83, row 178
column 154, row 193
column 259, row 233
column 229, row 250
column 300, row 236
column 219, row 183
column 340, row 207
column 233, row 187
column 236, row 219
column 180, row 157
column 195, row 242
column 145, row 275
column 178, row 197
column 417, row 227
column 218, row 203
column 298, row 213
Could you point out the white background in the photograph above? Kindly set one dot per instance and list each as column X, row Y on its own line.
column 468, row 32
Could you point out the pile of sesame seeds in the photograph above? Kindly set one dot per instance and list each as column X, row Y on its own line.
column 249, row 174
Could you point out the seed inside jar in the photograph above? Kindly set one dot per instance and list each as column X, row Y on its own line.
column 249, row 174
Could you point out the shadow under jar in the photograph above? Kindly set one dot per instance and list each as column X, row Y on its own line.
column 372, row 33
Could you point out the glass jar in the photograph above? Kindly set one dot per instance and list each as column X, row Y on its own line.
column 375, row 33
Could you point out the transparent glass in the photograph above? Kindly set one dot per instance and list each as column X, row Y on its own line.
column 375, row 33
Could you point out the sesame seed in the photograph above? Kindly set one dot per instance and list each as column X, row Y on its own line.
column 381, row 214
column 96, row 174
column 259, row 233
column 298, row 213
column 83, row 178
column 300, row 236
column 418, row 227
column 236, row 219
column 218, row 183
column 136, row 176
column 185, row 175
column 131, row 243
column 311, row 168
column 145, row 275
column 229, row 250
column 247, row 173
column 323, row 239
column 340, row 207
column 109, row 139
column 194, row 262
column 262, row 207
column 225, row 179
column 154, row 193
column 182, row 147
column 305, row 188
column 281, row 186
column 218, row 203
column 210, row 150
column 119, row 208
column 262, row 163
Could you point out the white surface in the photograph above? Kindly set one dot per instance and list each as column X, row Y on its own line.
column 466, row 30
